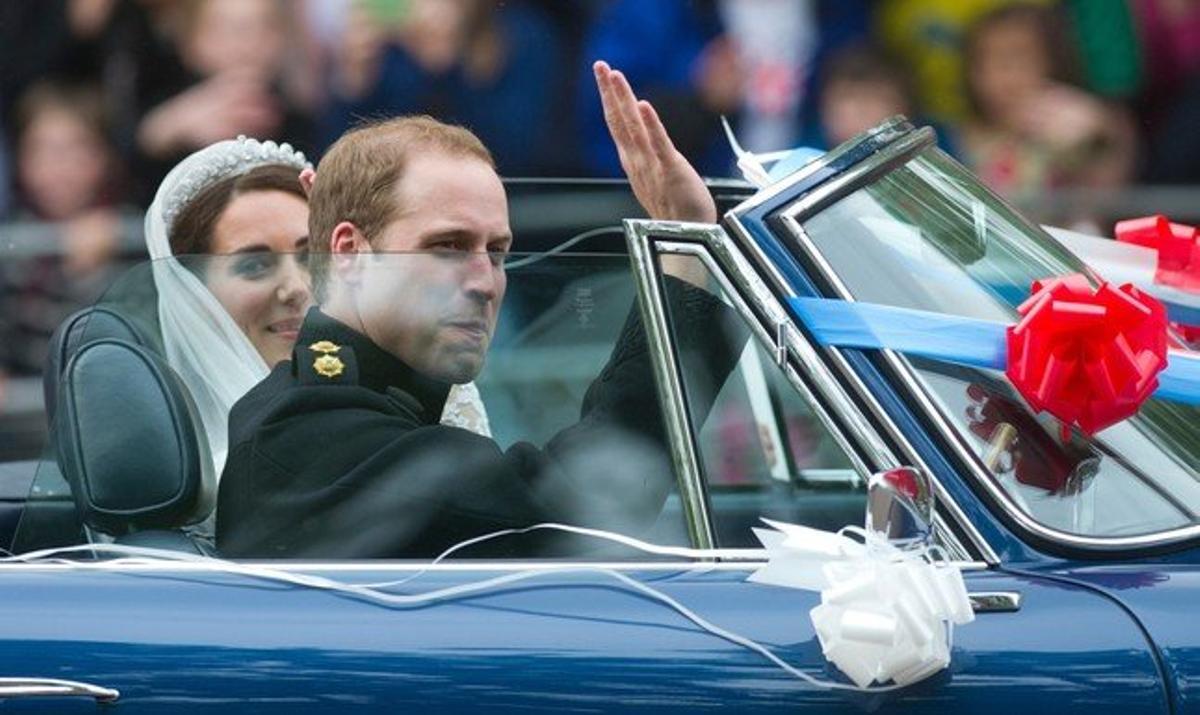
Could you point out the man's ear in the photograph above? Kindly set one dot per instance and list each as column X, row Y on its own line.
column 346, row 243
column 347, row 238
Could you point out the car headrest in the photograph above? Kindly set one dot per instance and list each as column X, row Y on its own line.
column 130, row 442
column 83, row 326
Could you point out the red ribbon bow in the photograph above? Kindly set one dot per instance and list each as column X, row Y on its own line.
column 1178, row 249
column 1177, row 246
column 1088, row 357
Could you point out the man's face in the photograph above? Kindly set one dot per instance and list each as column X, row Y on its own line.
column 431, row 291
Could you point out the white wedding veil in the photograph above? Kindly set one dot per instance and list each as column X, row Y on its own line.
column 211, row 354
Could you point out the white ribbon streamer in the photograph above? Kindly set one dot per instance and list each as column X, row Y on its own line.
column 886, row 614
column 879, row 620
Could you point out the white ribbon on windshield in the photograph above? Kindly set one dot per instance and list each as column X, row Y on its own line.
column 862, row 587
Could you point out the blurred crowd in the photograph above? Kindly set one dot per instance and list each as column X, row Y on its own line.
column 100, row 97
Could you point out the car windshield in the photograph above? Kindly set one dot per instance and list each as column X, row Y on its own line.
column 928, row 236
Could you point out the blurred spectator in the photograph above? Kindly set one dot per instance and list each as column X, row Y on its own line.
column 326, row 20
column 1170, row 33
column 928, row 35
column 678, row 57
column 64, row 161
column 67, row 179
column 860, row 88
column 126, row 47
column 1030, row 130
column 495, row 68
column 233, row 52
column 1173, row 154
column 39, row 40
column 776, row 41
column 755, row 61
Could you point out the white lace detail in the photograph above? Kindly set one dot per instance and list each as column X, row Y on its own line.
column 465, row 409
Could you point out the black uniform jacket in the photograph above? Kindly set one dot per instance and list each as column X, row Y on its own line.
column 339, row 452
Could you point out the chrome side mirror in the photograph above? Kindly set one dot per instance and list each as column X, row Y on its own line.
column 900, row 505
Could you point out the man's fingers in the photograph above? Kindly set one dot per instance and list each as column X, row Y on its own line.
column 660, row 141
column 612, row 116
column 626, row 104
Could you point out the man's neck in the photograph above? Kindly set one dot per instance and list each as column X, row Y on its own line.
column 344, row 311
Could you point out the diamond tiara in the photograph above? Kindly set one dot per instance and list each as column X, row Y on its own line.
column 221, row 161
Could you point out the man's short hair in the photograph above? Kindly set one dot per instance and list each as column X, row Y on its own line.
column 357, row 177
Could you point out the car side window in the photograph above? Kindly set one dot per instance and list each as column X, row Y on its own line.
column 763, row 451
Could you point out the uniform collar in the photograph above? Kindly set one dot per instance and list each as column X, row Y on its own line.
column 374, row 367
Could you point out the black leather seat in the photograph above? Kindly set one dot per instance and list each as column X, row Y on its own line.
column 92, row 323
column 126, row 434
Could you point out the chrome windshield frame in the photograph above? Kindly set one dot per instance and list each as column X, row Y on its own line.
column 792, row 217
column 818, row 386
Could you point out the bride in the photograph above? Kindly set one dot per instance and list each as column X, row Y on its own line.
column 228, row 234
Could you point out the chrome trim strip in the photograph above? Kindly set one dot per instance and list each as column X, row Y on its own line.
column 55, row 688
column 744, row 241
column 663, row 361
column 995, row 601
column 833, row 391
column 847, row 183
column 809, row 204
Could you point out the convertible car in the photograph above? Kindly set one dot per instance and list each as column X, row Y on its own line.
column 1079, row 552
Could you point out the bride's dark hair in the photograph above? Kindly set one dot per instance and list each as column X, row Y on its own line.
column 192, row 231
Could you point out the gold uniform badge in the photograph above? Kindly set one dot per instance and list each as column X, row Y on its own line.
column 327, row 364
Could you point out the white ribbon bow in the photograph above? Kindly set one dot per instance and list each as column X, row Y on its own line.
column 884, row 611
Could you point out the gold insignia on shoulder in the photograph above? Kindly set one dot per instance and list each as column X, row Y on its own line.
column 328, row 366
column 325, row 347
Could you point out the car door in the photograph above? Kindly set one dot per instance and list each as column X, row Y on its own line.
column 570, row 638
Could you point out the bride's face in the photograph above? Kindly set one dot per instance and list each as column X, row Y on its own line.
column 261, row 278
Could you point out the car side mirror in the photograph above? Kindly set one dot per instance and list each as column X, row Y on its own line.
column 900, row 505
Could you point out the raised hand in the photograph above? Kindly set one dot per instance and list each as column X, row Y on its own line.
column 663, row 181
